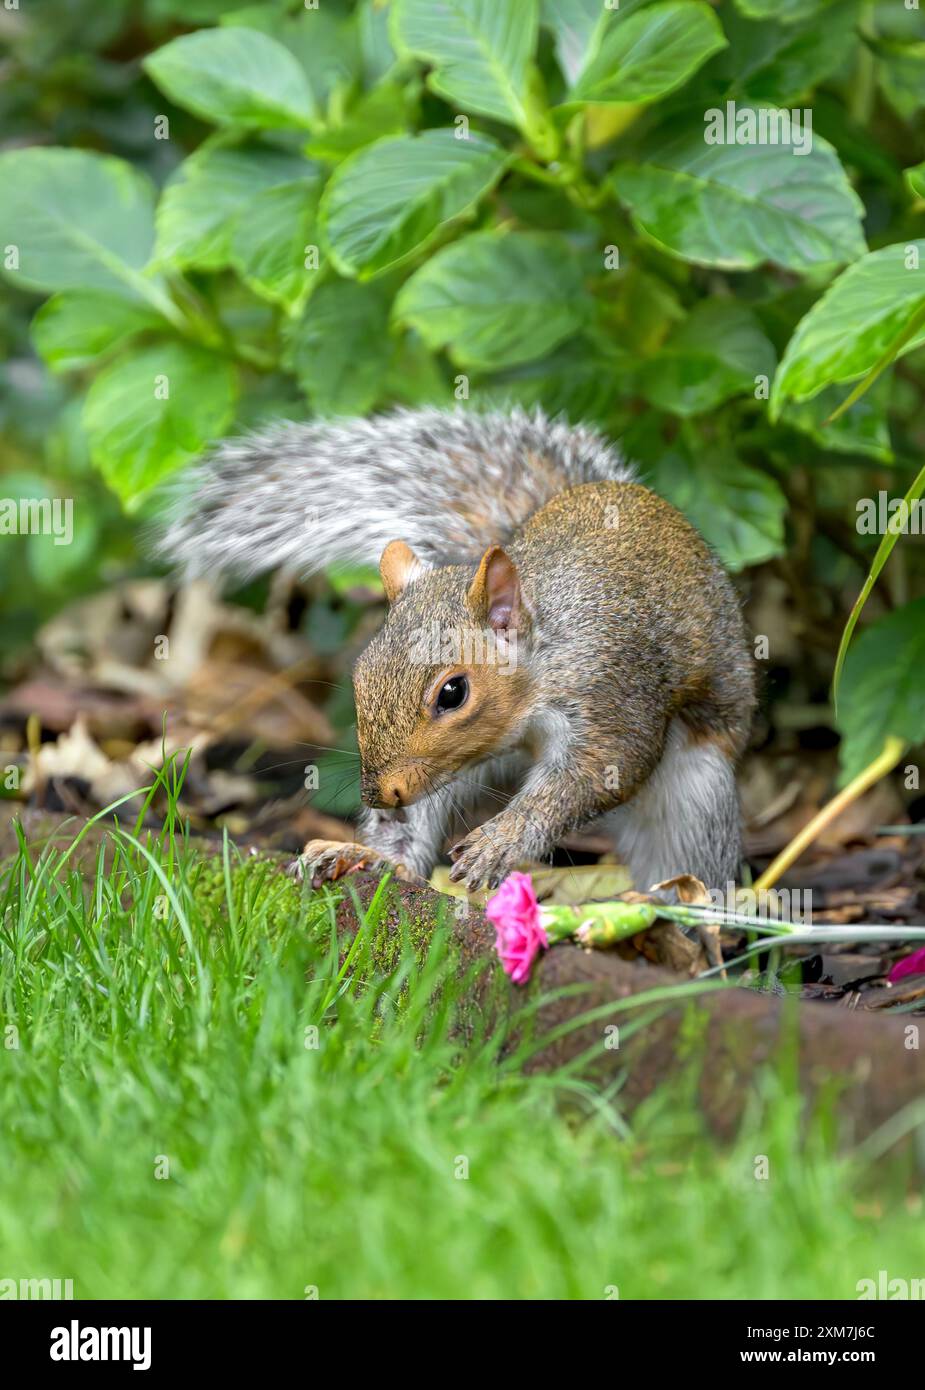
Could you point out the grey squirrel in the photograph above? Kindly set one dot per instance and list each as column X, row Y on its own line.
column 554, row 628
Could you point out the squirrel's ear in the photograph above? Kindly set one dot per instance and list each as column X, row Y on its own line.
column 397, row 567
column 494, row 594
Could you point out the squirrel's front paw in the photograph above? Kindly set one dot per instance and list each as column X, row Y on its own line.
column 482, row 858
column 325, row 861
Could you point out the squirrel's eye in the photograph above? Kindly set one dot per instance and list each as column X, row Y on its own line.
column 452, row 694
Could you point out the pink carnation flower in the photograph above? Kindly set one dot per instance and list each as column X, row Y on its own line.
column 909, row 965
column 520, row 935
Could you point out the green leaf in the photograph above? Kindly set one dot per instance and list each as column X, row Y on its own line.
column 185, row 11
column 388, row 109
column 906, row 337
column 855, row 323
column 149, row 413
column 738, row 509
column 415, row 376
column 497, row 299
column 340, row 349
column 392, row 198
column 52, row 565
column 785, row 11
column 327, row 48
column 779, row 63
column 644, row 311
column 73, row 329
column 882, row 691
column 199, row 207
column 324, row 45
column 578, row 27
column 915, row 179
column 737, row 206
column 234, row 76
column 54, row 554
column 270, row 241
column 901, row 69
column 650, row 53
column 864, row 429
column 79, row 220
column 578, row 380
column 480, row 51
column 715, row 354
column 377, row 53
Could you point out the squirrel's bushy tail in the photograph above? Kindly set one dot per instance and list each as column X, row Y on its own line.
column 308, row 496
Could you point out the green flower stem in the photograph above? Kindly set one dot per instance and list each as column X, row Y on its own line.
column 536, row 123
column 602, row 924
column 694, row 913
column 587, row 195
column 160, row 301
column 195, row 319
column 568, row 178
column 540, row 174
column 609, row 921
column 254, row 357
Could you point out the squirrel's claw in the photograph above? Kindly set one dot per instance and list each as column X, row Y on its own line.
column 482, row 860
column 325, row 861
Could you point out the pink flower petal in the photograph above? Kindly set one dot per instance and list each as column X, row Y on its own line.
column 909, row 965
column 519, row 934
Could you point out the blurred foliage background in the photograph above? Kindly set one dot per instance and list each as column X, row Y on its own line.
column 282, row 210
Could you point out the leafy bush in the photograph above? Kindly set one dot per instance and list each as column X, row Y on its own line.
column 334, row 208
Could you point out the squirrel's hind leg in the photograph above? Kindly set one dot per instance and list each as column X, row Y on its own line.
column 684, row 819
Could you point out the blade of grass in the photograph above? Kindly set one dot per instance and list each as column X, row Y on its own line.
column 889, row 356
column 884, row 551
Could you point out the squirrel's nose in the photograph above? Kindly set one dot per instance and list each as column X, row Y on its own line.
column 380, row 792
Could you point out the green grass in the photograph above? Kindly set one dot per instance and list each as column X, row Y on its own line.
column 162, row 1003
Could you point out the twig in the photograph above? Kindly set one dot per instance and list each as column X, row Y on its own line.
column 894, row 997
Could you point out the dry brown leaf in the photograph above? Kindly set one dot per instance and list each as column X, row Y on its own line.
column 227, row 697
column 691, row 890
column 688, row 889
column 580, row 883
column 665, row 944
